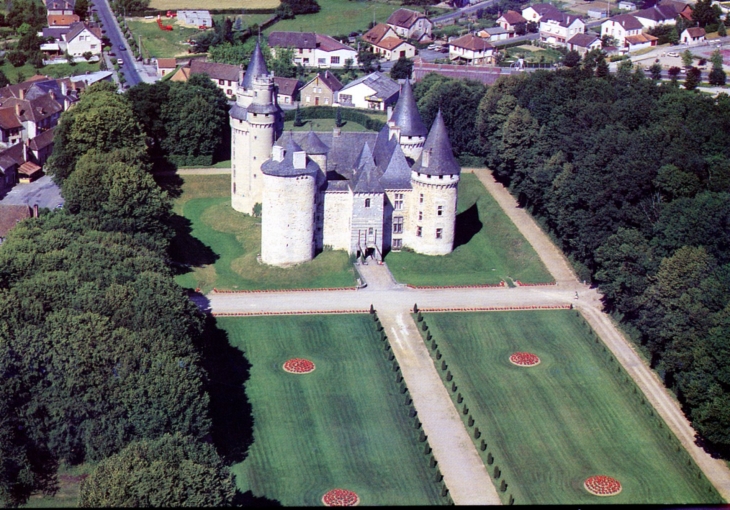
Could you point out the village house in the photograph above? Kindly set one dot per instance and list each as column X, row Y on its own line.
column 195, row 18
column 495, row 34
column 640, row 41
column 312, row 49
column 692, row 35
column 511, row 20
column 558, row 28
column 376, row 91
column 584, row 42
column 83, row 38
column 411, row 25
column 536, row 12
column 60, row 7
column 471, row 49
column 224, row 76
column 682, row 9
column 320, row 90
column 657, row 15
column 386, row 43
column 165, row 66
column 287, row 90
column 621, row 26
column 625, row 5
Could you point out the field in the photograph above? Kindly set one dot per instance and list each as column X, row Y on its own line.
column 344, row 425
column 217, row 4
column 322, row 125
column 574, row 415
column 158, row 43
column 54, row 71
column 338, row 17
column 222, row 245
column 488, row 248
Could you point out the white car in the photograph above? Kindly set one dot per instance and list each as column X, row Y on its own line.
column 120, row 62
column 672, row 54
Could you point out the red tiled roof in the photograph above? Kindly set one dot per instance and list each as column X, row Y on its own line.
column 696, row 32
column 29, row 169
column 471, row 42
column 513, row 18
column 640, row 38
column 404, row 18
column 62, row 20
column 166, row 63
column 8, row 119
column 10, row 215
column 390, row 43
column 375, row 34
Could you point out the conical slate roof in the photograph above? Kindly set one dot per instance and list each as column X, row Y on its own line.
column 397, row 174
column 368, row 176
column 256, row 67
column 406, row 114
column 438, row 151
column 313, row 145
column 285, row 167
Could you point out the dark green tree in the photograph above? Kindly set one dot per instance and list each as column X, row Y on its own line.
column 704, row 13
column 4, row 82
column 368, row 61
column 572, row 59
column 81, row 9
column 693, row 78
column 401, row 69
column 656, row 71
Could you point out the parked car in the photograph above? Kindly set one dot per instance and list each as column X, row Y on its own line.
column 122, row 47
column 120, row 62
column 672, row 54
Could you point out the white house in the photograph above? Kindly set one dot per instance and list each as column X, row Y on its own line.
column 510, row 20
column 376, row 91
column 621, row 26
column 82, row 38
column 657, row 15
column 386, row 43
column 495, row 34
column 313, row 50
column 558, row 29
column 692, row 35
column 410, row 24
column 195, row 18
column 536, row 12
column 627, row 6
column 583, row 43
column 471, row 49
column 597, row 13
column 330, row 52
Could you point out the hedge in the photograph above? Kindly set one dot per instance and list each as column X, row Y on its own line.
column 330, row 112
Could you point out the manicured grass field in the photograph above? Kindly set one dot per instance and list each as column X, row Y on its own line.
column 323, row 125
column 215, row 4
column 493, row 248
column 551, row 426
column 235, row 241
column 158, row 43
column 344, row 425
column 338, row 17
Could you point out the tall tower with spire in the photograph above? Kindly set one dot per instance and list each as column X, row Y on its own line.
column 406, row 125
column 256, row 121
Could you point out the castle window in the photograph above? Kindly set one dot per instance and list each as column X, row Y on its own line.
column 439, row 233
column 397, row 244
column 440, row 210
column 367, row 202
column 398, row 224
column 420, row 215
column 419, row 231
column 398, row 202
column 370, row 231
column 420, row 198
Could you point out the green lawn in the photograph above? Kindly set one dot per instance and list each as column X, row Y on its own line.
column 54, row 71
column 158, row 43
column 495, row 249
column 234, row 239
column 323, row 125
column 339, row 17
column 344, row 425
column 69, row 484
column 575, row 415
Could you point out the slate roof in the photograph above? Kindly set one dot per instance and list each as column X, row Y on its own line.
column 441, row 159
column 404, row 18
column 406, row 114
column 256, row 67
column 55, row 32
column 696, row 32
column 627, row 22
column 313, row 145
column 287, row 86
column 215, row 70
column 544, row 9
column 303, row 40
column 285, row 167
column 43, row 140
column 471, row 42
column 657, row 13
column 397, row 174
column 367, row 174
column 77, row 28
column 10, row 215
column 583, row 40
column 384, row 88
column 327, row 43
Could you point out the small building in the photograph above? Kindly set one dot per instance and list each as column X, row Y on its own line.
column 597, row 13
column 394, row 48
column 536, row 12
column 621, row 26
column 557, row 29
column 510, row 20
column 583, row 43
column 41, row 146
column 471, row 49
column 376, row 91
column 332, row 53
column 639, row 41
column 692, row 35
column 166, row 66
column 225, row 76
column 627, row 6
column 83, row 38
column 287, row 90
column 320, row 90
column 410, row 24
column 495, row 34
column 195, row 18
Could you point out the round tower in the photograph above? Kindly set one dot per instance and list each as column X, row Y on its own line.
column 255, row 120
column 288, row 213
column 434, row 179
column 406, row 123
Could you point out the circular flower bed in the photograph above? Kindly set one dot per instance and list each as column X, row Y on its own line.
column 524, row 359
column 340, row 497
column 602, row 485
column 298, row 366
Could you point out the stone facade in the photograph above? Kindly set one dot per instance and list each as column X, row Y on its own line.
column 366, row 193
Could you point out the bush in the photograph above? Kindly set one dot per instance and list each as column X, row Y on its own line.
column 17, row 58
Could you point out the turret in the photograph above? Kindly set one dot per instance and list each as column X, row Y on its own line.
column 435, row 179
column 406, row 123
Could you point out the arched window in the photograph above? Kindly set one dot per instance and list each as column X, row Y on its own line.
column 367, row 202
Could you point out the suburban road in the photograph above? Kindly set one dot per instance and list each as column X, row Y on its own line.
column 464, row 474
column 114, row 33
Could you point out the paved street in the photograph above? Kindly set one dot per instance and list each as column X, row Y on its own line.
column 42, row 192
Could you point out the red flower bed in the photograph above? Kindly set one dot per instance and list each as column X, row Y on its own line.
column 524, row 359
column 340, row 497
column 602, row 485
column 298, row 366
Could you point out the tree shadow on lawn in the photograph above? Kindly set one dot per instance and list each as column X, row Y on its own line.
column 468, row 225
column 230, row 410
column 185, row 250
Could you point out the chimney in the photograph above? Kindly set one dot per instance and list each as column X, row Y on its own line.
column 425, row 156
column 17, row 109
column 53, row 94
column 336, row 132
column 63, row 88
column 300, row 160
column 278, row 154
column 35, row 211
column 389, row 113
column 26, row 155
column 21, row 93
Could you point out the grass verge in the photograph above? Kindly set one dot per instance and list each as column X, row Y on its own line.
column 488, row 248
column 576, row 414
column 221, row 246
column 344, row 425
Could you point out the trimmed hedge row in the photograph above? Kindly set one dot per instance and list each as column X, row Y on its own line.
column 330, row 112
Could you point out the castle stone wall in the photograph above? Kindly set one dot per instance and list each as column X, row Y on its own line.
column 433, row 209
column 367, row 221
column 337, row 218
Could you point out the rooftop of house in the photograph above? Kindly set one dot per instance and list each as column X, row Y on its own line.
column 383, row 86
column 43, row 140
column 215, row 70
column 696, row 32
column 328, row 79
column 376, row 34
column 78, row 28
column 327, row 43
column 627, row 22
column 658, row 13
column 167, row 63
column 287, row 86
column 10, row 215
column 543, row 9
column 405, row 18
column 60, row 5
column 9, row 119
column 471, row 42
column 583, row 40
column 62, row 20
column 299, row 40
column 513, row 18
column 640, row 38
